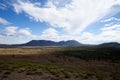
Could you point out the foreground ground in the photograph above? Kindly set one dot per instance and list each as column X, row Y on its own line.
column 59, row 63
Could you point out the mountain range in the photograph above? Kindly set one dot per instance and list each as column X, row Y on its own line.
column 110, row 44
column 61, row 43
column 52, row 43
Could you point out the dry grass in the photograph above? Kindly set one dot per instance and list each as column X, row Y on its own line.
column 39, row 63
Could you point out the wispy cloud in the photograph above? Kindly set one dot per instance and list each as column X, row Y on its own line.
column 110, row 19
column 74, row 16
column 2, row 6
column 4, row 21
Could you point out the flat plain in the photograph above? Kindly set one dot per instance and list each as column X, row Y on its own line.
column 59, row 63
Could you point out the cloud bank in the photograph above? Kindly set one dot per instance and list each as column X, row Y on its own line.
column 74, row 16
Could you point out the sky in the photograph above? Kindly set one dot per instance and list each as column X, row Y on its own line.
column 87, row 21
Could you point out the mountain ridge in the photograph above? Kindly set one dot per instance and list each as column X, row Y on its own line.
column 52, row 43
column 110, row 44
column 60, row 43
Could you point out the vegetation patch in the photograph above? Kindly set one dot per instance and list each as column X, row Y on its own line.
column 92, row 53
column 66, row 63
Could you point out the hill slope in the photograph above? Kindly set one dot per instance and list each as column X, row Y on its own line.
column 110, row 44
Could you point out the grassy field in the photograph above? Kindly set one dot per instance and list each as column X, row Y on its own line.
column 59, row 63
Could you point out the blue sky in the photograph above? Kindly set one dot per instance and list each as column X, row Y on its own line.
column 87, row 21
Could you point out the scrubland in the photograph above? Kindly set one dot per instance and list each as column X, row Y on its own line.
column 59, row 63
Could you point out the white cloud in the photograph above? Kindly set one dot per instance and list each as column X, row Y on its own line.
column 10, row 31
column 15, row 31
column 52, row 34
column 114, row 27
column 25, row 31
column 111, row 19
column 16, row 35
column 108, row 34
column 73, row 16
column 7, row 40
column 3, row 21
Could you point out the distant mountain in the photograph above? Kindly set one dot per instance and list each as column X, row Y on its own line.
column 69, row 43
column 52, row 43
column 4, row 44
column 110, row 44
column 60, row 43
